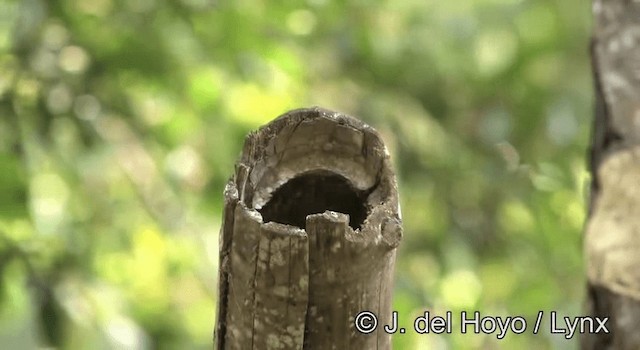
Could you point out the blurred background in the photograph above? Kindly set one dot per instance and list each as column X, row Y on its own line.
column 120, row 122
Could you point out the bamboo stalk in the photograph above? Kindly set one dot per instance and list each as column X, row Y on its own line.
column 311, row 226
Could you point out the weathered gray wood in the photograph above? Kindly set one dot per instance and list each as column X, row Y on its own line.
column 310, row 230
column 612, row 234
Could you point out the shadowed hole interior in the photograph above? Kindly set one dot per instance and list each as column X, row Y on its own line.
column 313, row 193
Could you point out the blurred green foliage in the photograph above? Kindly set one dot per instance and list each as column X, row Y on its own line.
column 120, row 121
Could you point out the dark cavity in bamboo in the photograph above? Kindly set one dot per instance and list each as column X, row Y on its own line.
column 314, row 193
